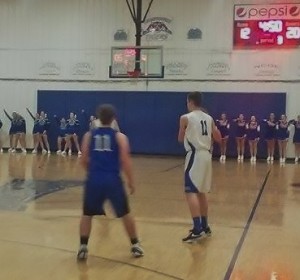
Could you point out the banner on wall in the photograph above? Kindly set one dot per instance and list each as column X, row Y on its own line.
column 157, row 29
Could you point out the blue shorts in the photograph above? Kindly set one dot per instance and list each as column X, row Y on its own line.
column 98, row 190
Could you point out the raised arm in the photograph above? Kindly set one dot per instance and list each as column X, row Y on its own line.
column 32, row 116
column 7, row 115
column 125, row 159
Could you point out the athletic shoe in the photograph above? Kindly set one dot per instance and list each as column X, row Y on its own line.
column 79, row 153
column 44, row 151
column 1, row 151
column 34, row 151
column 9, row 150
column 268, row 158
column 272, row 158
column 13, row 150
column 242, row 158
column 254, row 159
column 193, row 237
column 239, row 158
column 49, row 152
column 70, row 153
column 24, row 151
column 82, row 253
column 136, row 250
column 208, row 231
column 221, row 158
column 281, row 160
column 224, row 158
column 58, row 152
column 63, row 153
column 296, row 159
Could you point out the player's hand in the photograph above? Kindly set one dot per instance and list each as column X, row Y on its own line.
column 131, row 188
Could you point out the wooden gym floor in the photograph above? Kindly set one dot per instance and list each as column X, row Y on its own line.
column 254, row 215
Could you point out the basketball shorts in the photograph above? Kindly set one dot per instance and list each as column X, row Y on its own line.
column 97, row 191
column 198, row 171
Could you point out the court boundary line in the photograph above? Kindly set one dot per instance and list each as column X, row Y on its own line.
column 93, row 256
column 246, row 230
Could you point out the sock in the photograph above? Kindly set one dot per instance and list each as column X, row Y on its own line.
column 134, row 240
column 197, row 225
column 84, row 240
column 204, row 222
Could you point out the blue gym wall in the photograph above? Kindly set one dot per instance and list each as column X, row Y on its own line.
column 150, row 119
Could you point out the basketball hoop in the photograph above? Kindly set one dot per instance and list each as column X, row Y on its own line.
column 135, row 74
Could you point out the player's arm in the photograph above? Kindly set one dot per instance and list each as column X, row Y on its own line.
column 85, row 148
column 183, row 123
column 7, row 115
column 125, row 159
column 216, row 134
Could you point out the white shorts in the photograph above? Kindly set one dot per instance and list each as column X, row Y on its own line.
column 198, row 172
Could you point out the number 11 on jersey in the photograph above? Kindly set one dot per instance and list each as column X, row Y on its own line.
column 204, row 128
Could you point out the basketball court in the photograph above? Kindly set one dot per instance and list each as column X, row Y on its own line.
column 254, row 211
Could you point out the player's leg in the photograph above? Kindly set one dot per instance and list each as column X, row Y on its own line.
column 251, row 149
column 75, row 137
column 23, row 142
column 84, row 231
column 284, row 148
column 272, row 149
column 280, row 149
column 45, row 140
column 59, row 142
column 118, row 198
column 297, row 152
column 242, row 148
column 225, row 140
column 255, row 149
column 238, row 148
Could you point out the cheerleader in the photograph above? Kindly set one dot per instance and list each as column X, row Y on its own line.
column 270, row 136
column 282, row 137
column 223, row 125
column 253, row 130
column 1, row 149
column 17, row 132
column 44, row 125
column 37, row 141
column 240, row 136
column 62, row 135
column 72, row 133
column 296, row 138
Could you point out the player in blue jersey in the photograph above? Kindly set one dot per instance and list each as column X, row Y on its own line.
column 252, row 131
column 223, row 126
column 270, row 136
column 197, row 130
column 240, row 136
column 296, row 138
column 282, row 137
column 105, row 154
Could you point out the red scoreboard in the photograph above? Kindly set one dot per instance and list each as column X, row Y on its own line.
column 266, row 26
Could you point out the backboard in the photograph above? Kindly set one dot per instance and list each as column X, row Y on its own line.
column 136, row 62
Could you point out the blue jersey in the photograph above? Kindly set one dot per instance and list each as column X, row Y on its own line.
column 104, row 153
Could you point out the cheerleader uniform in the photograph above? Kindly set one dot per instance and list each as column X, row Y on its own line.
column 223, row 127
column 296, row 138
column 270, row 130
column 241, row 129
column 63, row 129
column 20, row 125
column 282, row 131
column 252, row 131
column 43, row 125
column 72, row 126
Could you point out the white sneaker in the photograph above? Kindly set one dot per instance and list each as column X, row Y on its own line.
column 63, row 153
column 82, row 253
column 34, row 151
column 268, row 158
column 44, row 151
column 49, row 152
column 272, row 158
column 1, row 151
column 239, row 158
column 242, row 158
column 9, row 150
column 137, row 251
column 13, row 150
column 70, row 153
column 281, row 160
column 224, row 158
column 58, row 152
column 221, row 158
column 79, row 153
column 296, row 159
column 254, row 159
column 24, row 151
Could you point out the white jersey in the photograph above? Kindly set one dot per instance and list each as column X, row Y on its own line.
column 114, row 124
column 198, row 132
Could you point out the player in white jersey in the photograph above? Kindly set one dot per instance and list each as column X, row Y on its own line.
column 197, row 130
